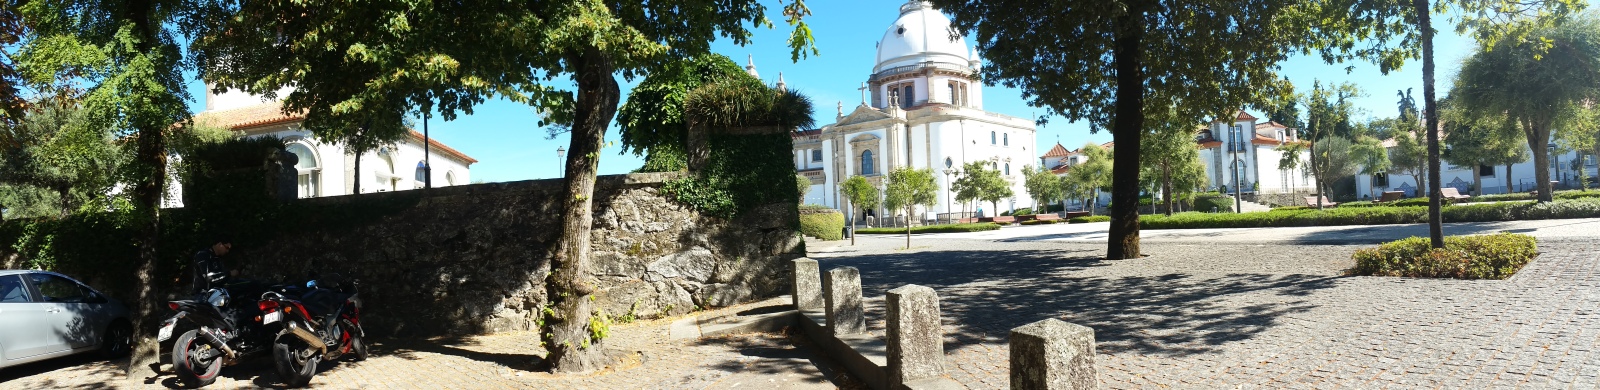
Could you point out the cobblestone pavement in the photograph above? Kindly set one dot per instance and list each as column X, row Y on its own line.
column 503, row 361
column 1196, row 314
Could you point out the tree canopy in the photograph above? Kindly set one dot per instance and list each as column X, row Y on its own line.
column 1042, row 186
column 1086, row 179
column 908, row 188
column 978, row 180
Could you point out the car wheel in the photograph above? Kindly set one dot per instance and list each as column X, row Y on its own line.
column 185, row 364
column 117, row 341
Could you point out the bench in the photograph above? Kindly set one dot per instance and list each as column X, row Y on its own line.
column 1311, row 201
column 1001, row 219
column 1047, row 217
column 1451, row 193
column 1390, row 196
column 1075, row 214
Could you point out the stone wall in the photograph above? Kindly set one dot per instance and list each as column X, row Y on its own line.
column 472, row 259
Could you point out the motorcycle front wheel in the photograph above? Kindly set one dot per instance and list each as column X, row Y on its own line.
column 295, row 361
column 358, row 345
column 187, row 361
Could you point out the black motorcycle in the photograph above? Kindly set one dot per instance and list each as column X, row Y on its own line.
column 322, row 323
column 224, row 334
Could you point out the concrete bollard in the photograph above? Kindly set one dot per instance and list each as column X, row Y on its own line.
column 1053, row 354
column 807, row 285
column 915, row 339
column 842, row 294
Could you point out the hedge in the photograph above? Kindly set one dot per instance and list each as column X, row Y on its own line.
column 1090, row 218
column 1496, row 256
column 1484, row 212
column 821, row 222
column 1039, row 222
column 1206, row 203
column 952, row 228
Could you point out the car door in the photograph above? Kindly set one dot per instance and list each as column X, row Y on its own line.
column 29, row 330
column 66, row 302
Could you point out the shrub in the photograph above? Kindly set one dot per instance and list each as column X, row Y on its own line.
column 952, row 228
column 1484, row 212
column 1364, row 203
column 1040, row 222
column 1409, row 202
column 1496, row 256
column 1019, row 212
column 1208, row 202
column 1090, row 218
column 1293, row 208
column 821, row 222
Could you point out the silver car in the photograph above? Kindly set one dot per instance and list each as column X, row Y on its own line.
column 46, row 315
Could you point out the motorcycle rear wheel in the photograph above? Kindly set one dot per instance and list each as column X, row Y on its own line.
column 358, row 345
column 185, row 365
column 294, row 360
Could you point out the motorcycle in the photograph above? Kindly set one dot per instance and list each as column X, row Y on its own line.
column 224, row 335
column 324, row 323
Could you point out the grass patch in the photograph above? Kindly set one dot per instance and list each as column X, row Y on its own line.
column 1496, row 256
column 953, row 228
column 1486, row 212
column 1090, row 218
column 821, row 222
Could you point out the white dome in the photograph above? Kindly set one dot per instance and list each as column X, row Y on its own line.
column 921, row 34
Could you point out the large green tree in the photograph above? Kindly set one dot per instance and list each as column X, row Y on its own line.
column 1328, row 112
column 908, row 188
column 1099, row 61
column 651, row 122
column 1409, row 156
column 73, row 165
column 1086, row 179
column 1370, row 158
column 1170, row 162
column 356, row 62
column 1474, row 140
column 1581, row 133
column 1536, row 82
column 1042, row 185
column 978, row 180
column 861, row 194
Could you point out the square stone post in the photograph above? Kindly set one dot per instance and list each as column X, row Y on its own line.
column 807, row 285
column 915, row 339
column 1052, row 354
column 842, row 294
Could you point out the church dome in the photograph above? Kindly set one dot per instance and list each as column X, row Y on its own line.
column 921, row 34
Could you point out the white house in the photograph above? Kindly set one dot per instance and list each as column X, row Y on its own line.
column 922, row 107
column 1243, row 154
column 1059, row 161
column 328, row 169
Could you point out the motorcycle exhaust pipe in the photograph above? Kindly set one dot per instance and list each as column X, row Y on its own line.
column 217, row 343
column 306, row 335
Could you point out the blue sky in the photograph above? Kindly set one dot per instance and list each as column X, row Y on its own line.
column 503, row 136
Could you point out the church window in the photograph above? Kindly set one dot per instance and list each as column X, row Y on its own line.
column 1005, row 139
column 816, row 154
column 1008, row 168
column 866, row 162
column 450, row 178
column 991, row 138
column 907, row 99
column 310, row 173
column 422, row 174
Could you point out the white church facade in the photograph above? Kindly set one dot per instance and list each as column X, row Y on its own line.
column 328, row 169
column 922, row 107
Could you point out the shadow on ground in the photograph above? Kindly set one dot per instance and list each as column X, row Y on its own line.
column 984, row 294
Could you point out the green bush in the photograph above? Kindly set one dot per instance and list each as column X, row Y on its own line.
column 821, row 222
column 1090, row 218
column 1019, row 212
column 1207, row 202
column 1482, row 212
column 1364, row 203
column 1293, row 208
column 1496, row 256
column 1040, row 222
column 1408, row 202
column 952, row 228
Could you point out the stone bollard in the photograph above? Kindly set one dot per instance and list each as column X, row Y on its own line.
column 915, row 339
column 1052, row 354
column 807, row 285
column 842, row 294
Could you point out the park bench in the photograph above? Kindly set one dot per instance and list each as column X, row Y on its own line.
column 1451, row 193
column 1390, row 196
column 1311, row 201
column 1001, row 219
column 1075, row 214
column 1047, row 217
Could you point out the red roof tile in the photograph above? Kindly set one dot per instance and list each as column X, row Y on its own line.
column 271, row 113
column 1057, row 151
column 1244, row 116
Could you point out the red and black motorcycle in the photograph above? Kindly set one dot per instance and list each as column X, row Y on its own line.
column 322, row 323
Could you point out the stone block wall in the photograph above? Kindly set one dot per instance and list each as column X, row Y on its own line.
column 472, row 259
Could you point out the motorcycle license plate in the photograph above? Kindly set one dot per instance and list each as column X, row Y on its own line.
column 271, row 317
column 166, row 330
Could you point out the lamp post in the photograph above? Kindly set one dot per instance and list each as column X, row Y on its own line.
column 1238, row 200
column 561, row 161
column 949, row 190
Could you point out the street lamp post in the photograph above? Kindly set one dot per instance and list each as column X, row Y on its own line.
column 1238, row 200
column 948, row 192
column 561, row 161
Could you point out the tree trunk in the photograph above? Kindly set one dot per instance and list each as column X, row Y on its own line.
column 1430, row 115
column 1316, row 175
column 355, row 186
column 1166, row 186
column 64, row 192
column 1541, row 160
column 909, row 210
column 1127, row 129
column 1477, row 181
column 569, row 285
column 1508, row 178
column 851, row 224
column 147, row 193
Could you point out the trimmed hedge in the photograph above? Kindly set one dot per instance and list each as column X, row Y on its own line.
column 953, row 228
column 1040, row 222
column 821, row 222
column 1206, row 202
column 1090, row 218
column 1496, row 256
column 1485, row 212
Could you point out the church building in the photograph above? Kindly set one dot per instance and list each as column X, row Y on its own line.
column 921, row 107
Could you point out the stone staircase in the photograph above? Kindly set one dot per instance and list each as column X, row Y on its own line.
column 1250, row 207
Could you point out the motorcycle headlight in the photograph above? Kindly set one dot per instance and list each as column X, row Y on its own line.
column 218, row 298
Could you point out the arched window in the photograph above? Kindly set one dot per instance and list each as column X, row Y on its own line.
column 450, row 178
column 1006, row 139
column 310, row 173
column 384, row 172
column 421, row 176
column 991, row 138
column 866, row 162
column 1008, row 168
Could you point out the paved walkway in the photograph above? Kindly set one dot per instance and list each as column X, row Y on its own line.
column 503, row 361
column 1254, row 308
column 1359, row 234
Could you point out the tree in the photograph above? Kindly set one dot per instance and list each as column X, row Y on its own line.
column 1407, row 25
column 1368, row 153
column 1328, row 112
column 353, row 63
column 1536, row 82
column 651, row 122
column 1475, row 140
column 127, row 53
column 1100, row 61
column 978, row 181
column 1409, row 156
column 802, row 185
column 1582, row 134
column 1170, row 157
column 1042, row 185
column 70, row 165
column 1089, row 177
column 1332, row 161
column 859, row 193
column 910, row 188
